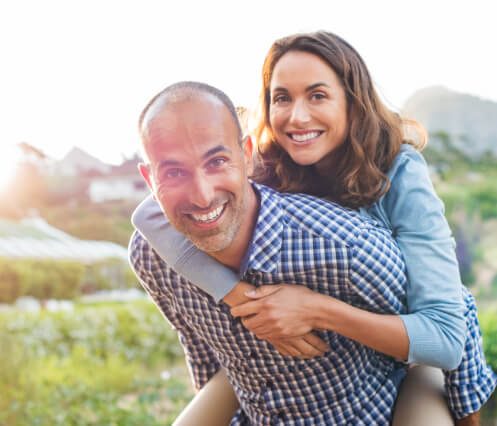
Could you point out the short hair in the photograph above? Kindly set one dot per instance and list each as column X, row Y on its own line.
column 192, row 89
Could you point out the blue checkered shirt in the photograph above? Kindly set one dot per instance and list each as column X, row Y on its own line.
column 301, row 240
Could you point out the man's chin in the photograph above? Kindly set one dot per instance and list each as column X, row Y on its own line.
column 217, row 241
column 210, row 245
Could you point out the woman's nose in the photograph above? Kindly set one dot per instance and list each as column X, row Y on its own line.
column 300, row 112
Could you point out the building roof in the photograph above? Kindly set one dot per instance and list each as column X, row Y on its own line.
column 35, row 239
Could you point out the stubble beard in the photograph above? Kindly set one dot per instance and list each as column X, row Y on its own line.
column 219, row 238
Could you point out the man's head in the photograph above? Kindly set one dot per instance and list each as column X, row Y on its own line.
column 198, row 164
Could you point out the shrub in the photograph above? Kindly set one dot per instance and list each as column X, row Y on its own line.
column 488, row 323
column 96, row 365
column 43, row 279
column 61, row 279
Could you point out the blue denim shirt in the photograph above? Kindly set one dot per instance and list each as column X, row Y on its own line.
column 412, row 211
column 415, row 215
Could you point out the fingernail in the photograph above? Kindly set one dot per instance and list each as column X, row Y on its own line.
column 250, row 293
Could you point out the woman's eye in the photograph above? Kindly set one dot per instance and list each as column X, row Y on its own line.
column 278, row 99
column 318, row 96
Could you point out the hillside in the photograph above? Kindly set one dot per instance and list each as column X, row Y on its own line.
column 470, row 122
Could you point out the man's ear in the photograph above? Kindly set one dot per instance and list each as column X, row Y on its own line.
column 145, row 172
column 248, row 152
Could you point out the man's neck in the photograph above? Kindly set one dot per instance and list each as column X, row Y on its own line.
column 232, row 256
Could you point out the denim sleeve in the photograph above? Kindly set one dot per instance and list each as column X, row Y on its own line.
column 178, row 252
column 435, row 321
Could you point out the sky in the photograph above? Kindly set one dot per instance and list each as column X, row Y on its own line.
column 78, row 73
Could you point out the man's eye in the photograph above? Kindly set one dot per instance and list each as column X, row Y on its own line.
column 216, row 162
column 174, row 173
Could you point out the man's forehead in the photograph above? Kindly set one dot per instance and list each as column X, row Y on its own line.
column 178, row 102
column 177, row 129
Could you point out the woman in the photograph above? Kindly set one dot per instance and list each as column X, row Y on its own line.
column 323, row 130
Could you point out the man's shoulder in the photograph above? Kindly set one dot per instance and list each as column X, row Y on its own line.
column 320, row 217
column 136, row 248
column 141, row 255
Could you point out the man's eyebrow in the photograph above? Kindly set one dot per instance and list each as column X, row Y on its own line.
column 215, row 150
column 212, row 151
column 168, row 163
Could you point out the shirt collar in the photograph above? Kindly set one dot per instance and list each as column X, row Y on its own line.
column 263, row 253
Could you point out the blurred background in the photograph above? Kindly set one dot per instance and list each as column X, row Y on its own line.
column 80, row 343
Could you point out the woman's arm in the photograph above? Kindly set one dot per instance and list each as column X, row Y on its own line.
column 206, row 273
column 291, row 310
column 435, row 319
column 433, row 331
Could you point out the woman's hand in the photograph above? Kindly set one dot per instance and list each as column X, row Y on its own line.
column 307, row 346
column 278, row 311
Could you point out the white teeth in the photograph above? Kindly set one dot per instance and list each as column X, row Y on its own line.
column 304, row 137
column 208, row 217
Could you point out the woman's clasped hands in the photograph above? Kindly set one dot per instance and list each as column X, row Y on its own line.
column 284, row 315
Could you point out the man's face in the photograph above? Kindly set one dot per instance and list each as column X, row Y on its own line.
column 197, row 171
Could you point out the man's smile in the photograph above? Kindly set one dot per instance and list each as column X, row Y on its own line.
column 208, row 217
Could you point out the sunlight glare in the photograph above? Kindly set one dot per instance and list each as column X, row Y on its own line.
column 9, row 159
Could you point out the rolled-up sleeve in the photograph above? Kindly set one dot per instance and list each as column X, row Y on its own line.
column 435, row 320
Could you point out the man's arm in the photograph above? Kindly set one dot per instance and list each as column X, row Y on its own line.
column 149, row 269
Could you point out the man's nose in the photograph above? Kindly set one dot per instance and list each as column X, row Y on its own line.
column 202, row 192
column 300, row 112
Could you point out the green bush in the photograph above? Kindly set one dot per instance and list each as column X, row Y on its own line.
column 109, row 274
column 96, row 365
column 43, row 279
column 61, row 279
column 488, row 323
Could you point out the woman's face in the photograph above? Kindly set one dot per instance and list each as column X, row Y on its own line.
column 308, row 107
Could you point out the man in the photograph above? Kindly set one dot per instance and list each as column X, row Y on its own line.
column 198, row 167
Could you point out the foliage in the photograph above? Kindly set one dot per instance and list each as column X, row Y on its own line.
column 60, row 279
column 97, row 365
column 107, row 221
column 133, row 331
column 43, row 279
column 488, row 323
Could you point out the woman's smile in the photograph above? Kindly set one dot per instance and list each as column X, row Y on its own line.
column 308, row 110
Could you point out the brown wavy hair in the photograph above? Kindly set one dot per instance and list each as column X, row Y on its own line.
column 355, row 175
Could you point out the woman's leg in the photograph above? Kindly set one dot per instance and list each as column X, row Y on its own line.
column 214, row 405
column 421, row 400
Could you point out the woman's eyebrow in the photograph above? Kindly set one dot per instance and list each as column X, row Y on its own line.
column 307, row 89
column 316, row 85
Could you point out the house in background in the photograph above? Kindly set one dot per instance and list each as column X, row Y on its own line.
column 109, row 188
column 123, row 182
column 77, row 162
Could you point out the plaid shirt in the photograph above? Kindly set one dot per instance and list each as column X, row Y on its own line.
column 301, row 240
